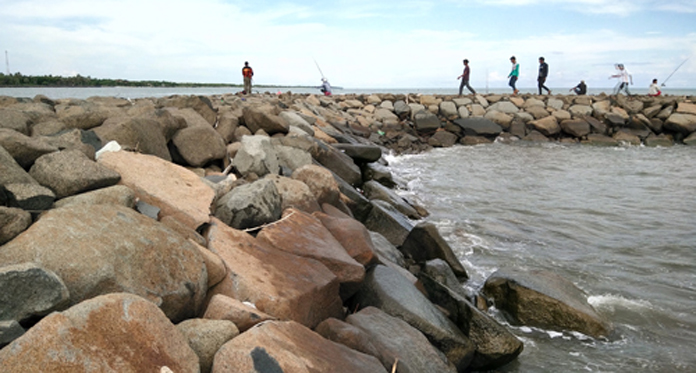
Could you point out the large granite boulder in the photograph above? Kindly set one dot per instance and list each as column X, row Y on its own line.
column 135, row 134
column 115, row 332
column 117, row 195
column 296, row 120
column 294, row 193
column 425, row 243
column 70, row 172
column 361, row 153
column 682, row 123
column 321, row 182
column 597, row 139
column 86, row 142
column 64, row 241
column 576, row 127
column 506, row 107
column 389, row 291
column 289, row 347
column 339, row 163
column 579, row 111
column 547, row 126
column 29, row 290
column 545, row 300
column 448, row 110
column 479, row 127
column 30, row 197
column 349, row 335
column 280, row 284
column 256, row 155
column 206, row 337
column 350, row 233
column 24, row 149
column 82, row 114
column 390, row 334
column 387, row 220
column 199, row 145
column 290, row 159
column 250, row 205
column 15, row 120
column 13, row 221
column 302, row 234
column 176, row 191
column 11, row 172
column 376, row 191
column 243, row 315
column 442, row 139
column 201, row 104
column 264, row 118
column 426, row 122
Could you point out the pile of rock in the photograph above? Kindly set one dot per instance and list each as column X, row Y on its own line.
column 234, row 233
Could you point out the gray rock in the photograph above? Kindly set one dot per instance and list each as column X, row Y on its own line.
column 86, row 142
column 117, row 195
column 136, row 134
column 463, row 112
column 30, row 290
column 537, row 112
column 506, row 107
column 386, row 250
column 482, row 101
column 442, row 139
column 199, row 145
column 532, row 102
column 426, row 122
column 535, row 136
column 479, row 127
column 82, row 114
column 361, row 153
column 661, row 140
column 256, row 155
column 576, row 127
column 555, row 103
column 597, row 126
column 30, row 197
column 388, row 221
column 386, row 116
column 13, row 221
column 11, row 172
column 250, row 205
column 351, row 336
column 294, row 193
column 600, row 140
column 425, row 243
column 147, row 209
column 390, row 334
column 294, row 119
column 440, row 271
column 378, row 173
column 682, row 123
column 24, row 149
column 206, row 337
column 652, row 110
column 376, row 191
column 201, row 104
column 544, row 299
column 691, row 140
column 401, row 109
column 614, row 120
column 389, row 291
column 70, row 172
column 338, row 163
column 448, row 109
column 504, row 120
column 580, row 111
column 9, row 331
column 665, row 113
column 547, row 126
column 14, row 120
column 264, row 118
column 292, row 158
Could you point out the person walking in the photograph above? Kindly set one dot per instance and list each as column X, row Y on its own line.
column 247, row 73
column 514, row 75
column 543, row 73
column 654, row 89
column 580, row 89
column 624, row 78
column 465, row 79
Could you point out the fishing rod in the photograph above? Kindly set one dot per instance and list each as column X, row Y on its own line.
column 675, row 70
column 319, row 68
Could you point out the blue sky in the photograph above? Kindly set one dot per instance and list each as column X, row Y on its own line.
column 357, row 43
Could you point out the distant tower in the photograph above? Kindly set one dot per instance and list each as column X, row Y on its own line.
column 7, row 63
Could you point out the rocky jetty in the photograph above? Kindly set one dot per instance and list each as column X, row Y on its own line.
column 236, row 233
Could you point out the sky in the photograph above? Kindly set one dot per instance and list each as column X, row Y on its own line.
column 356, row 43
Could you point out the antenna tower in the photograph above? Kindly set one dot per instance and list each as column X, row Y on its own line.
column 7, row 63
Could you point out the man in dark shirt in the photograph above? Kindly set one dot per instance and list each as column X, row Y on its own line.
column 247, row 73
column 465, row 79
column 543, row 73
column 580, row 89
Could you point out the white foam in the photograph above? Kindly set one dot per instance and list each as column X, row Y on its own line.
column 611, row 301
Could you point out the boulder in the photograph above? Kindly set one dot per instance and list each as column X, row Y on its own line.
column 201, row 104
column 387, row 220
column 442, row 139
column 117, row 195
column 280, row 284
column 479, row 127
column 426, row 122
column 86, row 142
column 361, row 153
column 115, row 332
column 686, row 108
column 24, row 149
column 425, row 243
column 228, row 123
column 506, row 107
column 401, row 109
column 256, row 155
column 390, row 334
column 691, row 140
column 250, row 205
column 70, row 172
column 532, row 102
column 289, row 347
column 544, row 299
column 596, row 125
column 615, row 120
column 167, row 123
column 338, row 162
column 600, row 140
column 351, row 336
column 499, row 117
column 13, row 221
column 82, row 114
column 296, row 120
column 547, row 126
column 188, row 116
column 290, row 159
column 30, row 197
column 623, row 136
column 350, row 233
column 321, row 182
column 136, row 134
column 561, row 115
column 378, row 173
column 15, row 120
column 303, row 235
column 199, row 145
column 176, row 191
column 448, row 110
column 665, row 113
column 580, row 111
column 387, row 290
column 385, row 250
column 294, row 193
column 30, row 290
column 652, row 111
column 482, row 101
column 376, row 191
column 264, row 118
column 536, row 136
column 555, row 103
column 9, row 331
column 429, row 100
column 11, row 171
column 537, row 112
column 243, row 315
column 64, row 241
column 495, row 345
column 601, row 108
column 682, row 123
column 463, row 112
column 661, row 140
column 576, row 127
column 205, row 337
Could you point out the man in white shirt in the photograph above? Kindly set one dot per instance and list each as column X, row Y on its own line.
column 624, row 78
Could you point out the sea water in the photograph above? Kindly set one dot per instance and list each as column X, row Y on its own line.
column 618, row 222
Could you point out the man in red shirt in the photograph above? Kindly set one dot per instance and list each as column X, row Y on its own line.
column 247, row 73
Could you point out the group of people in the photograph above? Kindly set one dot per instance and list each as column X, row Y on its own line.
column 622, row 74
column 248, row 73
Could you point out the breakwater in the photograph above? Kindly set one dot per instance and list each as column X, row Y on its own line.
column 271, row 211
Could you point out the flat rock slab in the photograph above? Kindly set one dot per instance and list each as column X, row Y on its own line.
column 99, row 249
column 277, row 347
column 110, row 333
column 479, row 127
column 544, row 299
column 178, row 192
column 361, row 153
column 280, row 284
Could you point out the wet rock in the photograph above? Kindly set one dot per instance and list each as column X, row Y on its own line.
column 338, row 163
column 205, row 337
column 361, row 153
column 425, row 243
column 378, row 173
column 176, row 191
column 250, row 205
column 576, row 127
column 30, row 197
column 376, row 191
column 545, row 300
column 479, row 127
column 63, row 241
column 600, row 140
column 289, row 347
column 114, row 332
column 387, row 290
column 623, row 136
column 426, row 122
column 535, row 136
column 13, row 221
column 243, row 315
column 24, row 149
column 388, row 221
column 660, row 140
column 442, row 139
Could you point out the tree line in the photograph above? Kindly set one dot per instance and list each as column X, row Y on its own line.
column 19, row 80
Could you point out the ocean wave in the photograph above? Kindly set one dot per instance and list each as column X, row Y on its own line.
column 610, row 302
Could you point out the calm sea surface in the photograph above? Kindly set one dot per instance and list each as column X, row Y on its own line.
column 620, row 223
